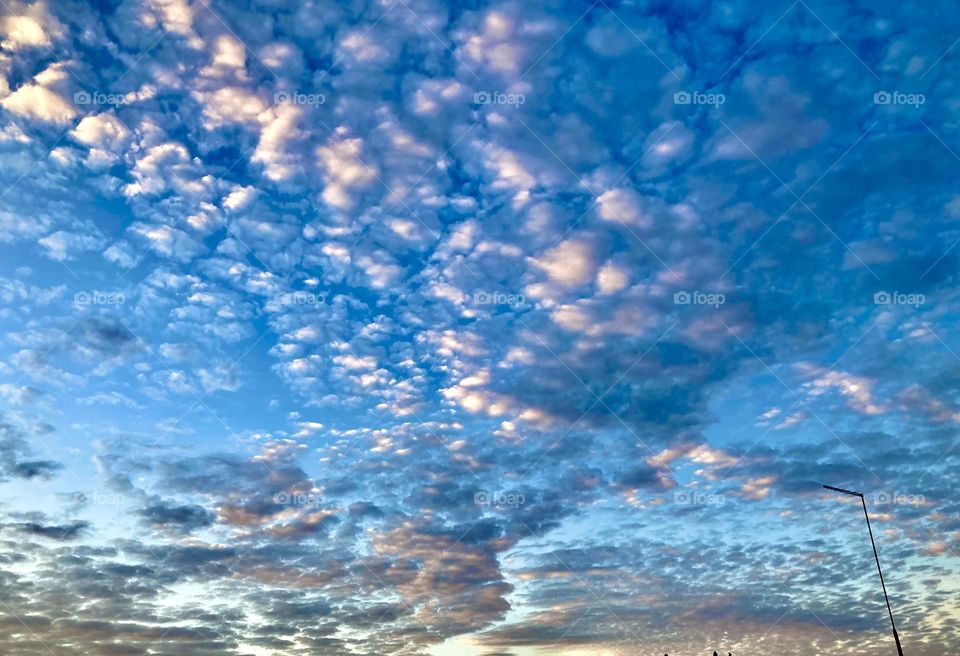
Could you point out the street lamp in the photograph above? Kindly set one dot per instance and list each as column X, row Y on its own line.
column 896, row 637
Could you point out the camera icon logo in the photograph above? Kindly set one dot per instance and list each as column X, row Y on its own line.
column 682, row 98
column 882, row 298
column 281, row 97
column 81, row 98
column 681, row 298
column 481, row 497
column 882, row 98
column 481, row 98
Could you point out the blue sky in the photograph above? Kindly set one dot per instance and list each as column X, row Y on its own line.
column 485, row 328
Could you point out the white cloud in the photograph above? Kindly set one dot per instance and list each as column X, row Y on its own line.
column 511, row 172
column 625, row 206
column 382, row 270
column 230, row 104
column 103, row 132
column 22, row 31
column 569, row 264
column 13, row 133
column 612, row 278
column 497, row 44
column 229, row 52
column 345, row 171
column 120, row 253
column 176, row 17
column 168, row 241
column 856, row 389
column 281, row 130
column 39, row 102
column 62, row 245
column 367, row 362
column 18, row 226
column 671, row 142
column 363, row 47
column 239, row 198
column 166, row 166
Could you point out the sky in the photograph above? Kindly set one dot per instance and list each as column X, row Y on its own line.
column 478, row 328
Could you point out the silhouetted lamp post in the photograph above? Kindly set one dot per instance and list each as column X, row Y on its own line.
column 896, row 637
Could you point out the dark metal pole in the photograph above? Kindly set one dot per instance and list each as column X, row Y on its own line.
column 863, row 502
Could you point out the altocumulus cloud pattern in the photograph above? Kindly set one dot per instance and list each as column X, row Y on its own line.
column 478, row 328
